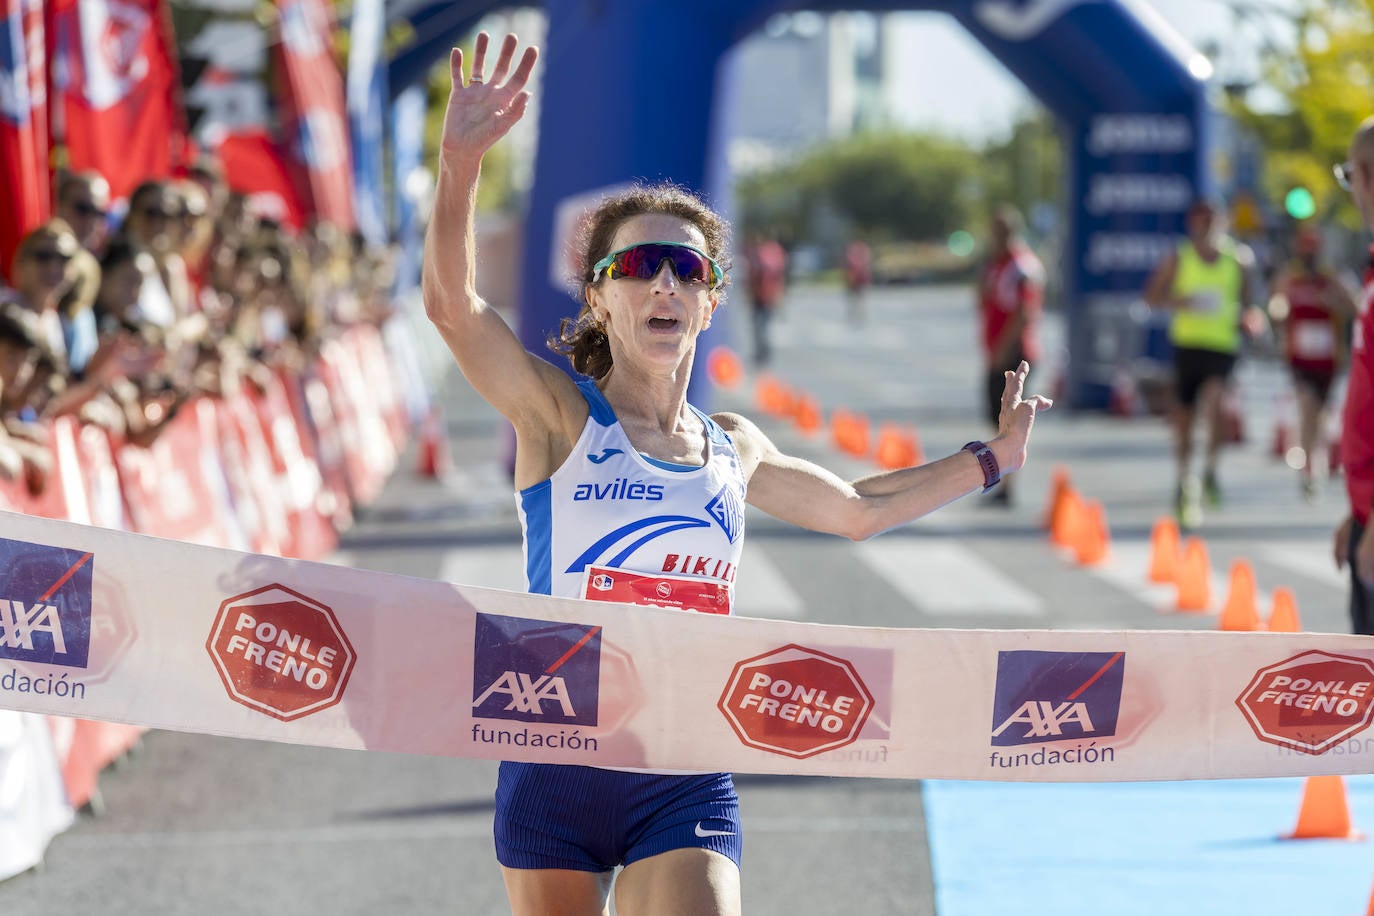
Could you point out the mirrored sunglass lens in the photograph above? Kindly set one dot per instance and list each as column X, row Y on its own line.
column 634, row 263
column 688, row 265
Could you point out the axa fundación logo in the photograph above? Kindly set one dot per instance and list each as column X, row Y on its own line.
column 45, row 603
column 1045, row 697
column 536, row 670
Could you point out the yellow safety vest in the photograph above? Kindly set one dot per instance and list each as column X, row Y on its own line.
column 1215, row 324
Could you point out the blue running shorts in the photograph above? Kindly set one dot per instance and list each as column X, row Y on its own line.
column 590, row 819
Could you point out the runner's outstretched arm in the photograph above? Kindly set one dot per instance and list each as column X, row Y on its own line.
column 798, row 491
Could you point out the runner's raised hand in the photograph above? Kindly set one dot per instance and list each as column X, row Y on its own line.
column 1018, row 414
column 483, row 108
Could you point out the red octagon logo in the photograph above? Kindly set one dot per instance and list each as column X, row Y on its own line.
column 280, row 653
column 796, row 701
column 1310, row 702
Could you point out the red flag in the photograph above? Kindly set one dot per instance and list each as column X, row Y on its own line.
column 25, row 185
column 313, row 109
column 254, row 164
column 117, row 84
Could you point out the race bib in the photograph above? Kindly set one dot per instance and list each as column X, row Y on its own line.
column 1313, row 340
column 1205, row 303
column 683, row 593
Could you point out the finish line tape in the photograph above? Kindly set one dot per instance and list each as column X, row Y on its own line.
column 101, row 624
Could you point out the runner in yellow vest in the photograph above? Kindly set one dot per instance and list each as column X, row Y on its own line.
column 1206, row 283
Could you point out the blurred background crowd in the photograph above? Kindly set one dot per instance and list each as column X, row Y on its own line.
column 191, row 292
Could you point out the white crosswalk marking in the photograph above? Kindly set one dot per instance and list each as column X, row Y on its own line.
column 944, row 579
column 1309, row 559
column 485, row 567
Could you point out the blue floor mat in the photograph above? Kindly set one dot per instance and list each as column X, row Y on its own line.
column 1185, row 848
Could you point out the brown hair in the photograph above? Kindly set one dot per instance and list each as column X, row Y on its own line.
column 582, row 339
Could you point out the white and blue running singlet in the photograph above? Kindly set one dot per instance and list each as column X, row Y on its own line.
column 608, row 506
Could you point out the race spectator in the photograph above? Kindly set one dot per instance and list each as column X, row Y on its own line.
column 75, row 311
column 858, row 276
column 83, row 201
column 1354, row 540
column 766, row 263
column 42, row 275
column 152, row 225
column 1011, row 289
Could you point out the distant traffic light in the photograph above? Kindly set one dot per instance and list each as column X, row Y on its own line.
column 1300, row 204
column 961, row 243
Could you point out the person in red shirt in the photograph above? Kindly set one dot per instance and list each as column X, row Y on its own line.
column 1313, row 307
column 1354, row 541
column 1011, row 291
column 858, row 276
column 767, row 265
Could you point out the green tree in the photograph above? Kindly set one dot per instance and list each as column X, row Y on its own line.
column 883, row 186
column 1327, row 84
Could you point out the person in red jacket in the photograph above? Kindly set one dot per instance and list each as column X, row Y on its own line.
column 1354, row 541
column 1313, row 307
column 1011, row 291
column 767, row 278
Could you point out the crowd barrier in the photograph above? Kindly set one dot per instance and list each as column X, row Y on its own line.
column 275, row 468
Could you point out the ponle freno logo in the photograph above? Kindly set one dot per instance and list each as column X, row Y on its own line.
column 45, row 603
column 536, row 670
column 1054, row 696
column 280, row 652
column 795, row 701
column 1310, row 702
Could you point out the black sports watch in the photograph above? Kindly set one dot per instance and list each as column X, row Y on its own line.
column 987, row 461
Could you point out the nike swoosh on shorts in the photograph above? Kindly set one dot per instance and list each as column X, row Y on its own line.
column 703, row 832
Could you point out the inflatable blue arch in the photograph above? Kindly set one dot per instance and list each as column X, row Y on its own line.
column 1128, row 96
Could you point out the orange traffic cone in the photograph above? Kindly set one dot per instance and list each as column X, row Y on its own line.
column 724, row 368
column 841, row 422
column 1093, row 535
column 1240, row 612
column 1059, row 485
column 1324, row 813
column 896, row 449
column 807, row 415
column 1283, row 618
column 1068, row 517
column 851, row 433
column 1164, row 551
column 1194, row 578
column 432, row 458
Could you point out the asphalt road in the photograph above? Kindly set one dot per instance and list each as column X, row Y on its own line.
column 202, row 825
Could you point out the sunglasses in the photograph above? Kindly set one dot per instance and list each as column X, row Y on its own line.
column 643, row 261
column 1344, row 172
column 81, row 208
column 49, row 256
